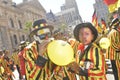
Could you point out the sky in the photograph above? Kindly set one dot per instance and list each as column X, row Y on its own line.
column 85, row 7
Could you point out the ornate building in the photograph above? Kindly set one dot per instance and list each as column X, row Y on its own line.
column 13, row 19
column 101, row 10
column 70, row 12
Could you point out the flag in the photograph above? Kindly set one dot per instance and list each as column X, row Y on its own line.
column 112, row 5
column 99, row 28
column 103, row 24
column 118, row 5
column 94, row 19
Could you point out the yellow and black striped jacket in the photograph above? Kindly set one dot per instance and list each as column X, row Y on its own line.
column 34, row 72
column 94, row 55
column 113, row 52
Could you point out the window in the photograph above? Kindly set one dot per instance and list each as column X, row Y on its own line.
column 11, row 21
column 11, row 41
column 15, row 39
column 0, row 36
column 23, row 37
column 20, row 24
column 5, row 1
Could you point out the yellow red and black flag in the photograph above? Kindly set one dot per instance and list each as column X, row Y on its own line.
column 113, row 5
column 103, row 24
column 94, row 19
column 99, row 28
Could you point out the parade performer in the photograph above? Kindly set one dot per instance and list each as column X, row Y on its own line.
column 37, row 65
column 90, row 64
column 113, row 52
column 1, row 72
column 16, row 60
column 2, row 69
column 22, row 73
column 4, row 59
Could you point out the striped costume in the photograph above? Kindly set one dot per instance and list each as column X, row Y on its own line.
column 113, row 53
column 34, row 72
column 94, row 55
column 49, row 72
column 4, row 63
column 62, row 73
column 15, row 58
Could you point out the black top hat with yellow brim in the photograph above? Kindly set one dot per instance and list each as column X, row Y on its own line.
column 39, row 25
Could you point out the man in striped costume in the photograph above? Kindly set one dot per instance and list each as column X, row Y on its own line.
column 37, row 49
column 113, row 52
column 45, row 70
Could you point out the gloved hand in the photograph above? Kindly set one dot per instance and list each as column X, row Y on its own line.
column 41, row 61
column 73, row 67
column 83, row 72
column 65, row 78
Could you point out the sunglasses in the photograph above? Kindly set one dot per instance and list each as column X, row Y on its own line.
column 44, row 36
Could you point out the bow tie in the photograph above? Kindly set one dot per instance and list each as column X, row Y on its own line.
column 81, row 47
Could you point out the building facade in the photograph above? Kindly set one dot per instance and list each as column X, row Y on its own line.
column 13, row 19
column 67, row 18
column 70, row 13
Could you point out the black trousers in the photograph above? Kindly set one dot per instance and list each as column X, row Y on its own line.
column 114, row 68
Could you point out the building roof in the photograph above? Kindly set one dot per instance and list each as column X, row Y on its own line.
column 34, row 3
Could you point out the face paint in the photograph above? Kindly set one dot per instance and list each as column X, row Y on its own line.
column 43, row 34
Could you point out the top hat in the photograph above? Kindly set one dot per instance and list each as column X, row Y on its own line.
column 40, row 24
column 83, row 25
column 115, row 22
column 22, row 44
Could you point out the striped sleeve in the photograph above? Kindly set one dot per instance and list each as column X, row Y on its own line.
column 99, row 63
column 115, row 39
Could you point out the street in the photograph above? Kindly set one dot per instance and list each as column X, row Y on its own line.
column 109, row 71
